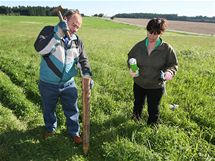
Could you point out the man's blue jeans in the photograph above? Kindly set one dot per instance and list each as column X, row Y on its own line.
column 68, row 95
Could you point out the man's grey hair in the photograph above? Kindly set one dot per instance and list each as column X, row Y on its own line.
column 71, row 12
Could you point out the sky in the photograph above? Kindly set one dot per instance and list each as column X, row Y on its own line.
column 110, row 7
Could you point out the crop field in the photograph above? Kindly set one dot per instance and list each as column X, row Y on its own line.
column 179, row 26
column 185, row 134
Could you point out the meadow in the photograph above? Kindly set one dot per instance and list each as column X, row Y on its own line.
column 185, row 134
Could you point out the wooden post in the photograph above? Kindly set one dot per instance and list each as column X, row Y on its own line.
column 86, row 112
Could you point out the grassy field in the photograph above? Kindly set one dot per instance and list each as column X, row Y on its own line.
column 187, row 133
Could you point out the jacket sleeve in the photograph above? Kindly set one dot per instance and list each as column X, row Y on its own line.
column 46, row 40
column 83, row 60
column 172, row 62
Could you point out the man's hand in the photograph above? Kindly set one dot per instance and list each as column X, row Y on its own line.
column 87, row 75
column 91, row 84
column 63, row 25
column 62, row 29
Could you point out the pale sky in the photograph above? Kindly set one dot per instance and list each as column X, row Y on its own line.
column 110, row 7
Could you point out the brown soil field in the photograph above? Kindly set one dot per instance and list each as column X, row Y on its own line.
column 181, row 26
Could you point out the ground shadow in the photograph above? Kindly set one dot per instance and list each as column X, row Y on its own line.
column 29, row 145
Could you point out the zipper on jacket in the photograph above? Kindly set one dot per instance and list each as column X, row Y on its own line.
column 64, row 67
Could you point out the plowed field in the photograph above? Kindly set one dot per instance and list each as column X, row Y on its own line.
column 183, row 26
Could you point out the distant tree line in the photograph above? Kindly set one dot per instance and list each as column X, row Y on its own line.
column 98, row 15
column 28, row 11
column 166, row 16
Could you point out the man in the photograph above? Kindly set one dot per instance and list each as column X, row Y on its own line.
column 60, row 57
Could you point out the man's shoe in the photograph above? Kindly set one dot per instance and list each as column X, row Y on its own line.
column 47, row 134
column 77, row 139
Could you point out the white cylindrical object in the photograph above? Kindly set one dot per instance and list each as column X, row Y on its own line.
column 132, row 61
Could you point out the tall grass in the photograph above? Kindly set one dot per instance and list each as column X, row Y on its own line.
column 186, row 133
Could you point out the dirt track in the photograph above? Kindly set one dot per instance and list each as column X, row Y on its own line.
column 185, row 26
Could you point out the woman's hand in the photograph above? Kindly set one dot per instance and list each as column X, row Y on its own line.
column 168, row 76
column 134, row 74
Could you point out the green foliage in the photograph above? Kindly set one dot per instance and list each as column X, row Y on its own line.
column 8, row 121
column 123, row 149
column 187, row 133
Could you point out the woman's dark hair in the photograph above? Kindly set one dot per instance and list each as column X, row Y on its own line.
column 70, row 12
column 156, row 25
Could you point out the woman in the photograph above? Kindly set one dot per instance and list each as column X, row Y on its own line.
column 157, row 63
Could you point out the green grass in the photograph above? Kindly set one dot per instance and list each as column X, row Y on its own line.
column 188, row 133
